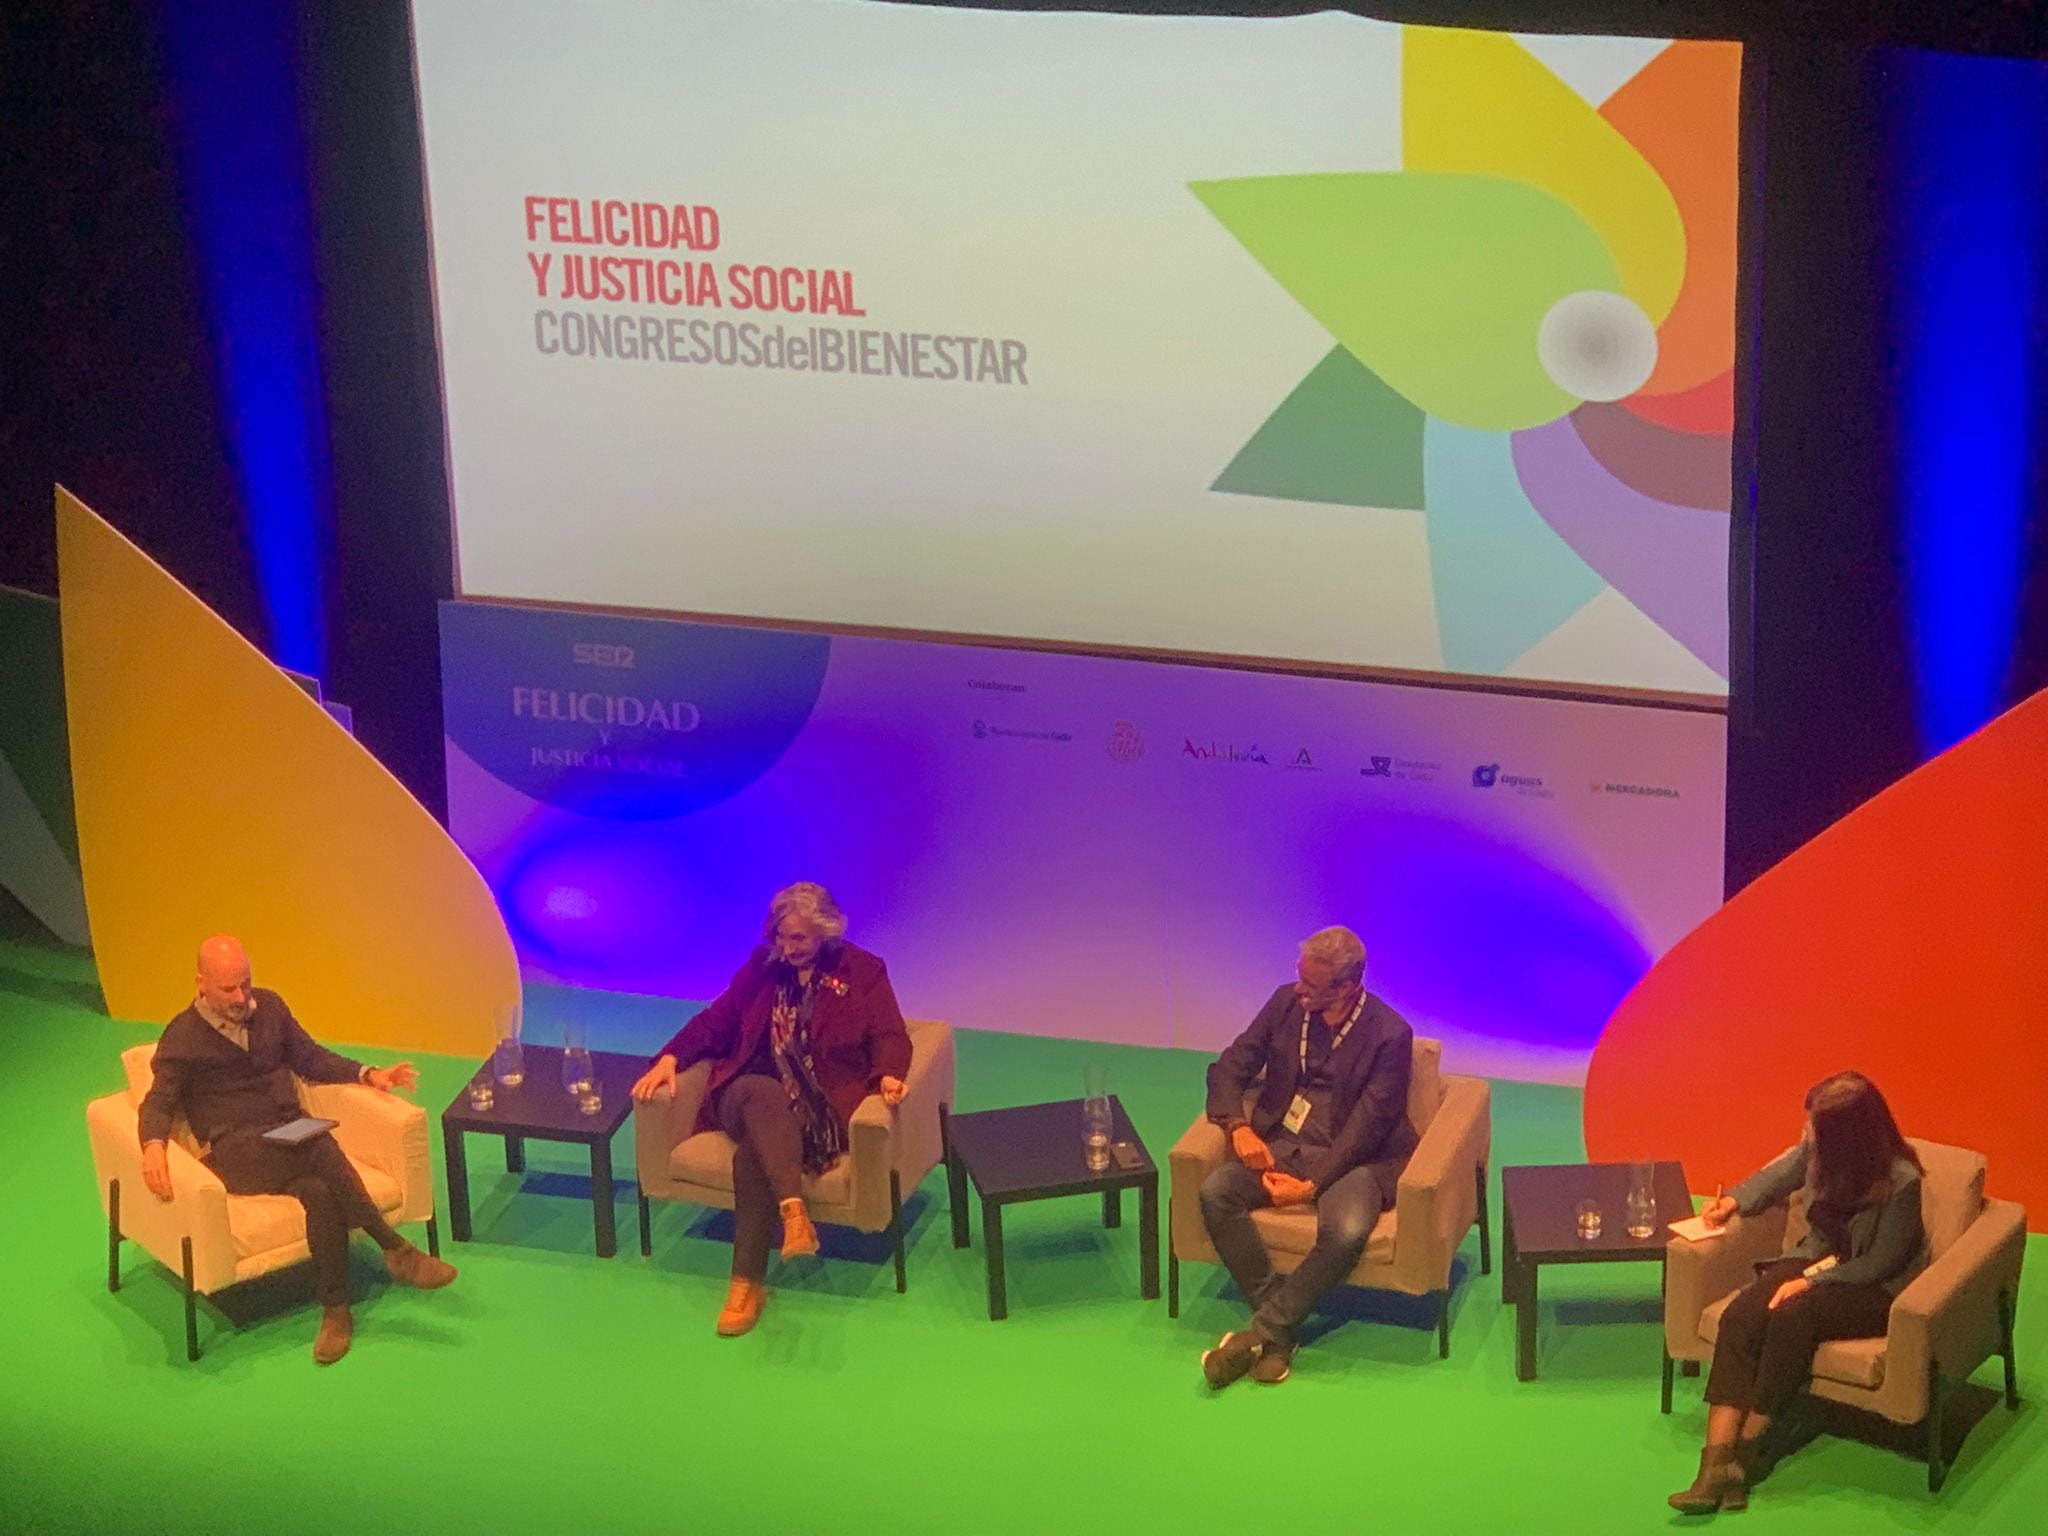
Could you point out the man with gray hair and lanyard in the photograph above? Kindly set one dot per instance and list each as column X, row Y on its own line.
column 1329, row 1128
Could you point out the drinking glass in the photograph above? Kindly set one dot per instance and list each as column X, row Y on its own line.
column 1588, row 1217
column 590, row 1099
column 577, row 1075
column 1642, row 1199
column 1096, row 1119
column 482, row 1093
column 508, row 1057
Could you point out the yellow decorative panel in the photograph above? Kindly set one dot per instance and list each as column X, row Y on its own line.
column 214, row 796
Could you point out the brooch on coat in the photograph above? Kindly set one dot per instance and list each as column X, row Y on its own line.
column 836, row 985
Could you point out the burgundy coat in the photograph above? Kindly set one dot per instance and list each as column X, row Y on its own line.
column 857, row 1033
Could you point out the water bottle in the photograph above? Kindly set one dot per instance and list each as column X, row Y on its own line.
column 508, row 1058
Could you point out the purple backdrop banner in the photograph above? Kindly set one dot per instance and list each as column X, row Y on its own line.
column 1075, row 846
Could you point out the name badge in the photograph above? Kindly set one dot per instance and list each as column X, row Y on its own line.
column 1297, row 1114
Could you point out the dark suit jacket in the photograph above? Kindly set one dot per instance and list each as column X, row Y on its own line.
column 219, row 1087
column 857, row 1032
column 1370, row 1107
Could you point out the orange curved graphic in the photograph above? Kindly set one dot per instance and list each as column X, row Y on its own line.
column 1680, row 114
column 1904, row 941
column 214, row 795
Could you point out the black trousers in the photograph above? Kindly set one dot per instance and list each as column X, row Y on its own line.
column 320, row 1177
column 1762, row 1357
column 767, row 1165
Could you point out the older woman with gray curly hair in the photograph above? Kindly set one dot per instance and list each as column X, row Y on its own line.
column 806, row 1029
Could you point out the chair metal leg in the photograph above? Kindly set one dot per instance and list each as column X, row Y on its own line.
column 1443, row 1323
column 2012, row 1375
column 646, row 1230
column 114, row 1246
column 1668, row 1362
column 1485, row 1227
column 1172, row 1282
column 191, row 1302
column 434, row 1237
column 896, row 1227
column 1937, row 1472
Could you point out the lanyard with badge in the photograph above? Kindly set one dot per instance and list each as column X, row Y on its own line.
column 1298, row 1112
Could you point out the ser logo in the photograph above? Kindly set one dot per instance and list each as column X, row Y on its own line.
column 1485, row 775
column 589, row 653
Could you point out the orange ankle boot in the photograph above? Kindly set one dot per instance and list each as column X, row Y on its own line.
column 743, row 1305
column 799, row 1237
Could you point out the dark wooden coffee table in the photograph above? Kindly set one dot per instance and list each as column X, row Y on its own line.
column 539, row 1110
column 1033, row 1152
column 1539, row 1209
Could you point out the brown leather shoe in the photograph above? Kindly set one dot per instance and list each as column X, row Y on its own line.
column 337, row 1332
column 743, row 1305
column 417, row 1268
column 799, row 1237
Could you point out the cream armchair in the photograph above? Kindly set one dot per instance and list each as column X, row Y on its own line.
column 1952, row 1317
column 891, row 1149
column 213, row 1239
column 1441, row 1195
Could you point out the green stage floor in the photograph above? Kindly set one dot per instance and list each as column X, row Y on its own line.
column 552, row 1391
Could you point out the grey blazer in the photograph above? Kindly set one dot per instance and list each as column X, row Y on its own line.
column 1887, row 1242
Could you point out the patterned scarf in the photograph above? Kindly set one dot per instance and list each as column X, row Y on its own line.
column 789, row 1034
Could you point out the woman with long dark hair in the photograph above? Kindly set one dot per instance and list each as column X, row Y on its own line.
column 1864, row 1241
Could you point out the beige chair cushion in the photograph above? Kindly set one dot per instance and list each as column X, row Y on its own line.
column 260, row 1223
column 1951, row 1192
column 706, row 1161
column 1851, row 1362
column 1294, row 1232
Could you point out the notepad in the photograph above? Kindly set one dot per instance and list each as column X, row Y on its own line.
column 1694, row 1229
column 303, row 1129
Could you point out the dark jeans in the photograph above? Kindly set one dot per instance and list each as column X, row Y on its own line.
column 1345, row 1214
column 1762, row 1357
column 320, row 1177
column 767, row 1164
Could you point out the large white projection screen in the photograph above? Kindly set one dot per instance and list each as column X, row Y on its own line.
column 1319, row 341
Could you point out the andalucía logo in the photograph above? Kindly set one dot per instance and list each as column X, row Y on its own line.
column 1302, row 759
column 1125, row 744
column 1230, row 753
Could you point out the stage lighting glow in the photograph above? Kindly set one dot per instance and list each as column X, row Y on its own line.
column 1971, row 180
column 235, row 101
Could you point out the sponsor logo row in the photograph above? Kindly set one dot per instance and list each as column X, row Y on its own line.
column 1126, row 744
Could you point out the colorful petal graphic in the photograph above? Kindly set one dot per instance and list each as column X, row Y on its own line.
column 1342, row 437
column 1503, row 577
column 1678, row 467
column 1670, row 561
column 1680, row 112
column 1479, row 103
column 1536, row 316
column 1438, row 284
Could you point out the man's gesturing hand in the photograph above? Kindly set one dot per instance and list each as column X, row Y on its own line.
column 1250, row 1150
